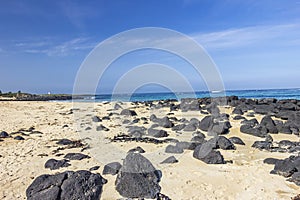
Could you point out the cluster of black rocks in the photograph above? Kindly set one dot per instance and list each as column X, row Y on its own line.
column 20, row 134
column 136, row 177
column 288, row 168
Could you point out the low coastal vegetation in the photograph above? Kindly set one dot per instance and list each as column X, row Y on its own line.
column 21, row 96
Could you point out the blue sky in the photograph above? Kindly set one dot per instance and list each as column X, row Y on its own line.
column 255, row 44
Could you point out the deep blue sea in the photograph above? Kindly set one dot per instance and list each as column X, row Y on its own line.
column 258, row 94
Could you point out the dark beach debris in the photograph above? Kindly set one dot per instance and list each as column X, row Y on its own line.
column 67, row 185
column 76, row 156
column 71, row 143
column 127, row 138
column 169, row 160
column 112, row 168
column 4, row 134
column 94, row 168
column 54, row 164
column 138, row 178
column 128, row 112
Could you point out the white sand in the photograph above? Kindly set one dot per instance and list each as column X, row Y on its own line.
column 246, row 178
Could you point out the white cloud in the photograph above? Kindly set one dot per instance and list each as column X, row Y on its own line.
column 287, row 34
column 59, row 49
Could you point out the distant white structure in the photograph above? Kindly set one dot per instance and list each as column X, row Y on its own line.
column 49, row 93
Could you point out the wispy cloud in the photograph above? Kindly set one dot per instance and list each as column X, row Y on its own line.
column 286, row 34
column 52, row 48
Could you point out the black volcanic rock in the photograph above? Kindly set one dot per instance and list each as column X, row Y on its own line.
column 165, row 122
column 54, row 164
column 169, row 160
column 112, row 168
column 96, row 119
column 236, row 140
column 67, row 185
column 225, row 144
column 206, row 153
column 4, row 134
column 268, row 122
column 189, row 104
column 128, row 112
column 262, row 145
column 284, row 167
column 138, row 178
column 19, row 138
column 219, row 128
column 178, row 127
column 190, row 127
column 102, row 128
column 174, row 149
column 187, row 145
column 76, row 156
column 157, row 133
column 270, row 161
column 206, row 123
column 257, row 131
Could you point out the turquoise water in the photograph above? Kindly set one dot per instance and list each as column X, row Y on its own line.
column 258, row 94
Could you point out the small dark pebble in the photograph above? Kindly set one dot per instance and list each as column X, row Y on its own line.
column 169, row 160
column 19, row 138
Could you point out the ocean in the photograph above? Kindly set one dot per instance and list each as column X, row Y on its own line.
column 257, row 94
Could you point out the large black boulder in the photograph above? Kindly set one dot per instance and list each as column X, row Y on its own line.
column 138, row 178
column 206, row 123
column 220, row 128
column 268, row 122
column 165, row 122
column 206, row 153
column 67, row 185
column 257, row 131
column 224, row 143
column 284, row 167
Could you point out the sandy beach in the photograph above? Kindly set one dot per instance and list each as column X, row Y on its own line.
column 246, row 177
